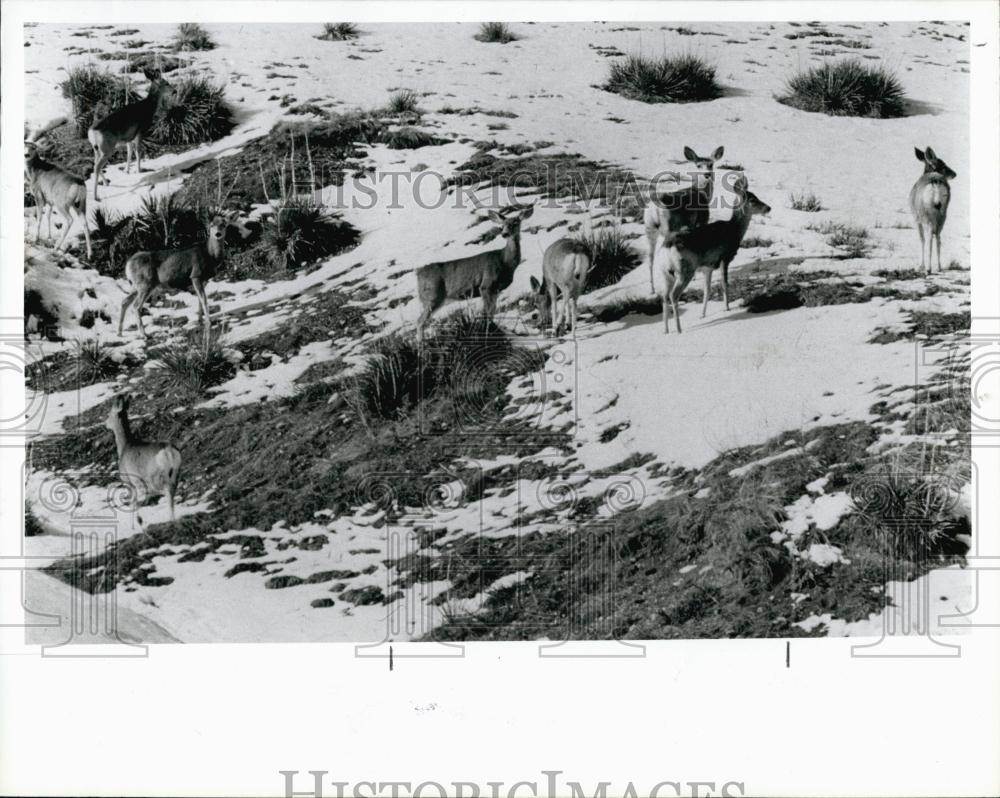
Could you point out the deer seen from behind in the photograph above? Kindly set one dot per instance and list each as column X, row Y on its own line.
column 565, row 266
column 128, row 125
column 929, row 200
column 186, row 269
column 485, row 274
column 675, row 210
column 54, row 186
column 149, row 469
column 706, row 249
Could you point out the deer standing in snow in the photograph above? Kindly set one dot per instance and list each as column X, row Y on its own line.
column 929, row 200
column 565, row 266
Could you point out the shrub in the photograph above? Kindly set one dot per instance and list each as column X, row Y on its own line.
column 145, row 62
column 198, row 114
column 751, row 242
column 409, row 138
column 403, row 101
column 663, row 79
column 496, row 32
column 339, row 31
column 301, row 231
column 192, row 36
column 809, row 203
column 94, row 92
column 611, row 255
column 847, row 88
column 94, row 364
column 32, row 526
column 852, row 240
column 191, row 368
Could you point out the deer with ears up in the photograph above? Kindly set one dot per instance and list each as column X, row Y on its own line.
column 929, row 200
column 128, row 125
column 185, row 269
column 54, row 186
column 706, row 249
column 485, row 274
column 676, row 210
column 150, row 469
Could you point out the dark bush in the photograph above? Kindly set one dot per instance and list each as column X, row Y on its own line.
column 301, row 231
column 339, row 31
column 192, row 36
column 199, row 113
column 847, row 88
column 496, row 32
column 94, row 93
column 663, row 79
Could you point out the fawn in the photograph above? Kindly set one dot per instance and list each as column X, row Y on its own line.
column 54, row 186
column 185, row 269
column 679, row 209
column 485, row 274
column 929, row 200
column 565, row 266
column 706, row 249
column 129, row 124
column 149, row 469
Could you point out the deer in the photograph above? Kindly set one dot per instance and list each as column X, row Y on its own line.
column 705, row 249
column 149, row 469
column 565, row 266
column 679, row 209
column 929, row 200
column 54, row 186
column 485, row 274
column 186, row 269
column 129, row 124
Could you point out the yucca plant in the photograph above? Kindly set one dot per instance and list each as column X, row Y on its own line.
column 403, row 101
column 663, row 79
column 611, row 255
column 301, row 231
column 192, row 36
column 496, row 32
column 192, row 367
column 94, row 93
column 847, row 88
column 339, row 31
column 198, row 113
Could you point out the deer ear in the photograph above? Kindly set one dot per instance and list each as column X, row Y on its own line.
column 919, row 154
column 527, row 213
column 929, row 155
column 690, row 154
column 535, row 285
column 718, row 153
column 494, row 216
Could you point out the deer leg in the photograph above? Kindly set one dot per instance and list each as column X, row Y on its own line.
column 937, row 239
column 128, row 157
column 138, row 153
column 100, row 161
column 141, row 295
column 708, row 288
column 48, row 215
column 86, row 228
column 38, row 218
column 125, row 303
column 725, row 284
column 573, row 317
column 920, row 230
column 668, row 284
column 199, row 289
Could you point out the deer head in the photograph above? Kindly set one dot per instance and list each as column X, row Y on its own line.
column 934, row 164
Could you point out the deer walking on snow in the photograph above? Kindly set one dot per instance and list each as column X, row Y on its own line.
column 565, row 266
column 929, row 200
column 186, row 269
column 706, row 249
column 149, row 469
column 484, row 275
column 54, row 186
column 128, row 125
column 676, row 210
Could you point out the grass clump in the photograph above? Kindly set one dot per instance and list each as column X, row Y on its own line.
column 663, row 79
column 847, row 88
column 301, row 231
column 809, row 203
column 409, row 138
column 339, row 31
column 94, row 93
column 190, row 369
column 496, row 33
column 198, row 114
column 403, row 101
column 611, row 255
column 192, row 36
column 853, row 241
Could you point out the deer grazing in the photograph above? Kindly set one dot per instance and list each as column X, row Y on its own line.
column 149, row 469
column 129, row 125
column 54, row 186
column 929, row 200
column 676, row 210
column 706, row 249
column 565, row 266
column 485, row 274
column 186, row 269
